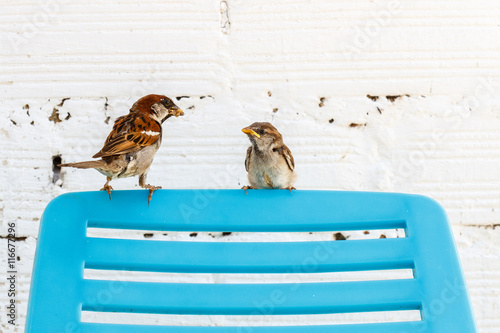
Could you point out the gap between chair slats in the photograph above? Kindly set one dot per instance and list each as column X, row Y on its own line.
column 244, row 236
column 221, row 278
column 250, row 321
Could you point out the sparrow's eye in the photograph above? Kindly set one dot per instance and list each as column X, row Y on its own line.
column 260, row 131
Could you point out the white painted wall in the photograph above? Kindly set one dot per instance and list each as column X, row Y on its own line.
column 313, row 61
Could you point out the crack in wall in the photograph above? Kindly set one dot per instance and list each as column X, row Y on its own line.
column 483, row 226
column 16, row 239
column 224, row 16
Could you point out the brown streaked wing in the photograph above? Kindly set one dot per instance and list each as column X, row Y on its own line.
column 130, row 133
column 247, row 159
column 287, row 154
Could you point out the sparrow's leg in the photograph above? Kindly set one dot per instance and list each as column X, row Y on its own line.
column 249, row 187
column 289, row 188
column 151, row 188
column 107, row 187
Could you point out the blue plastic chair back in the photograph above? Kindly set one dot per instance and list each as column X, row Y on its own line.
column 59, row 293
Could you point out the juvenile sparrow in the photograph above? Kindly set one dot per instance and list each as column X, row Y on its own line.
column 269, row 162
column 133, row 142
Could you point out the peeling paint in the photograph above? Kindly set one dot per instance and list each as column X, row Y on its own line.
column 63, row 101
column 392, row 98
column 55, row 116
column 322, row 102
column 339, row 236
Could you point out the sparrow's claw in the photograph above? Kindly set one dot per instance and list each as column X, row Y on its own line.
column 289, row 188
column 151, row 189
column 245, row 188
column 108, row 189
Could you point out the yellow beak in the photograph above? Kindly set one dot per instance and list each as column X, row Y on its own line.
column 250, row 131
column 176, row 111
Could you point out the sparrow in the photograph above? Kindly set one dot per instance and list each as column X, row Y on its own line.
column 133, row 142
column 269, row 162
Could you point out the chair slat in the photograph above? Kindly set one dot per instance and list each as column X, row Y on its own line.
column 248, row 257
column 259, row 211
column 404, row 327
column 246, row 299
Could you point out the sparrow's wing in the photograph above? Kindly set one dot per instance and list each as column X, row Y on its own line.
column 130, row 133
column 247, row 159
column 287, row 154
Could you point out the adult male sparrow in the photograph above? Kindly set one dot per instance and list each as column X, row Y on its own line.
column 269, row 162
column 133, row 142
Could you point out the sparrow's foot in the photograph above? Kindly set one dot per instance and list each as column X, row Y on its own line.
column 289, row 188
column 151, row 189
column 108, row 189
column 245, row 188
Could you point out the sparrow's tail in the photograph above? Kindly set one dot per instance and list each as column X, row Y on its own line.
column 84, row 165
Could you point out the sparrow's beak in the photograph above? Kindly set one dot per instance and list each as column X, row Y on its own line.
column 176, row 111
column 248, row 130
